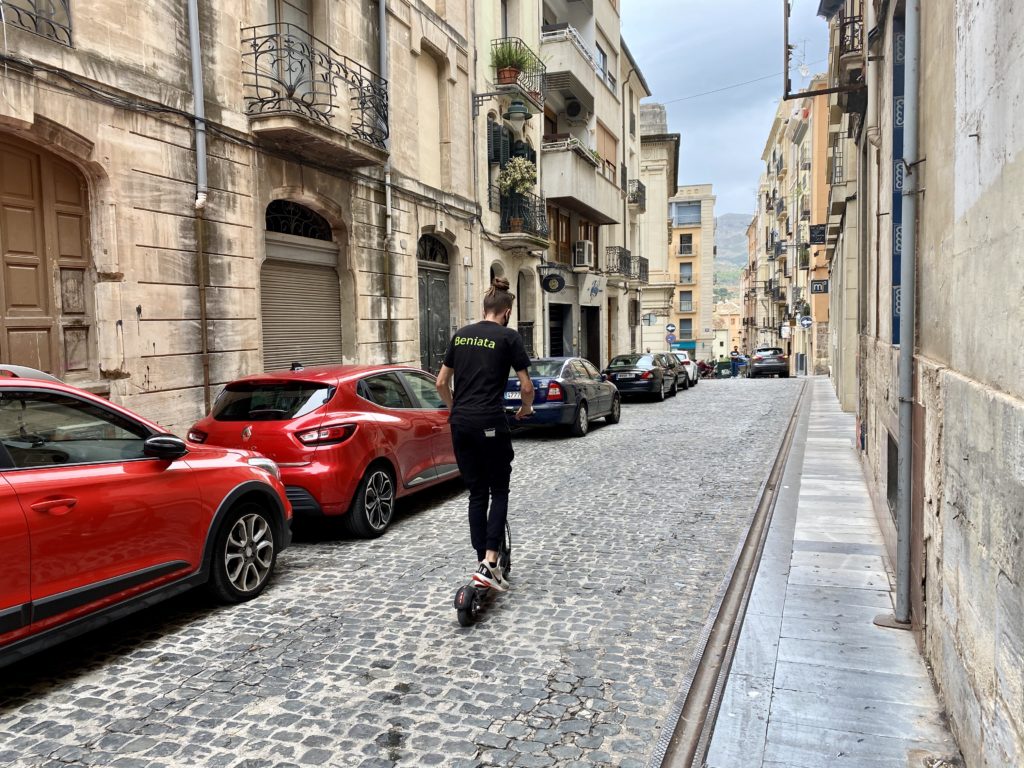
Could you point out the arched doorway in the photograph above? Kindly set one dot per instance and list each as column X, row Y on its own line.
column 435, row 308
column 526, row 308
column 300, row 291
column 46, row 319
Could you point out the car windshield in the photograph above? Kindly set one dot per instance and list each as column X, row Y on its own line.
column 769, row 351
column 544, row 368
column 269, row 400
column 681, row 357
column 632, row 361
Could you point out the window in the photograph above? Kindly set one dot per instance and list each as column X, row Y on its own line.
column 607, row 146
column 685, row 328
column 44, row 429
column 276, row 401
column 560, row 249
column 579, row 369
column 385, row 390
column 423, row 390
column 591, row 369
column 686, row 214
column 686, row 301
column 686, row 273
column 602, row 60
column 588, row 231
column 685, row 245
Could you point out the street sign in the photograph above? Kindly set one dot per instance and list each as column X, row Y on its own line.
column 817, row 232
column 806, row 321
column 819, row 286
column 552, row 283
column 670, row 338
column 671, row 327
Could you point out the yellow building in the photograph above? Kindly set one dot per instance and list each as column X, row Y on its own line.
column 692, row 262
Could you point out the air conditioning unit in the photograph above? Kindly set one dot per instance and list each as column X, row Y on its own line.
column 583, row 255
column 576, row 113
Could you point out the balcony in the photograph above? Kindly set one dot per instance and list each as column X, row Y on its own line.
column 574, row 179
column 778, row 295
column 636, row 195
column 523, row 220
column 47, row 18
column 640, row 270
column 306, row 100
column 618, row 263
column 684, row 250
column 571, row 67
column 518, row 70
column 687, row 280
column 686, row 306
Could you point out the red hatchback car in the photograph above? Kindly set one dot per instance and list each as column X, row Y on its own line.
column 103, row 513
column 349, row 440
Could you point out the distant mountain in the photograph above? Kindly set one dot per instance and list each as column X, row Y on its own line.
column 731, row 238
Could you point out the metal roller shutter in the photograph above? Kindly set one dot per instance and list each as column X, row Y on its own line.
column 301, row 306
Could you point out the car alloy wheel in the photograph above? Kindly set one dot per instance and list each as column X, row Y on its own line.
column 582, row 422
column 244, row 554
column 374, row 504
column 249, row 552
column 616, row 413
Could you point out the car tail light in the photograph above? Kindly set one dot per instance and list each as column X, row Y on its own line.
column 645, row 375
column 197, row 435
column 332, row 434
column 758, row 358
column 554, row 391
column 782, row 358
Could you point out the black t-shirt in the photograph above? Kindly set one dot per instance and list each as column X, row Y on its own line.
column 481, row 355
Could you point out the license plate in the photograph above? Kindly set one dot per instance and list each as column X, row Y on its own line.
column 625, row 376
column 513, row 395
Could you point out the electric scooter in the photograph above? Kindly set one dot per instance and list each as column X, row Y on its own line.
column 471, row 597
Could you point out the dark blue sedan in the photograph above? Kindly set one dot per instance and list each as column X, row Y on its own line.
column 570, row 392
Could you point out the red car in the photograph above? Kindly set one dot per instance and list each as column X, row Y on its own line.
column 350, row 440
column 103, row 513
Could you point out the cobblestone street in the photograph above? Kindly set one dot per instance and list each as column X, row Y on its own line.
column 354, row 657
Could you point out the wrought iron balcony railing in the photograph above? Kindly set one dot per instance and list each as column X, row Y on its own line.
column 687, row 280
column 47, row 18
column 526, row 214
column 640, row 269
column 637, row 194
column 618, row 261
column 287, row 70
column 685, row 250
column 851, row 34
column 686, row 306
column 527, row 75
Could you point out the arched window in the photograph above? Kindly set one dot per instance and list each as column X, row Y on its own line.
column 290, row 218
column 431, row 249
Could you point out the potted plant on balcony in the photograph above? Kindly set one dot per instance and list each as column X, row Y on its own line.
column 509, row 58
column 515, row 180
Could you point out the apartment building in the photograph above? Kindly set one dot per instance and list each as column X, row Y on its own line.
column 692, row 259
column 929, row 188
column 185, row 210
column 659, row 169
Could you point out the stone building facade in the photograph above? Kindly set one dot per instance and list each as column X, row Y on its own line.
column 329, row 196
column 692, row 262
column 966, row 581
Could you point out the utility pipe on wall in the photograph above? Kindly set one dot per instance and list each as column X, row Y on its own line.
column 199, row 110
column 908, row 300
column 382, row 42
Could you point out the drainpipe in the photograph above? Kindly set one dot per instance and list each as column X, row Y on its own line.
column 625, row 201
column 382, row 42
column 199, row 109
column 908, row 299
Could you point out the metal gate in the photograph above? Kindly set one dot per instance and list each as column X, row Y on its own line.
column 301, row 309
column 435, row 317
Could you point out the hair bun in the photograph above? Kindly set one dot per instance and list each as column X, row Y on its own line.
column 500, row 283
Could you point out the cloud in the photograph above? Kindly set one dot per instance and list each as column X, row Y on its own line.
column 688, row 47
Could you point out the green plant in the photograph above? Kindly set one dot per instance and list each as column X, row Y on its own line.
column 597, row 155
column 518, row 177
column 510, row 55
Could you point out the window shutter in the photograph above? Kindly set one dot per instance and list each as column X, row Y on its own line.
column 493, row 141
column 505, row 146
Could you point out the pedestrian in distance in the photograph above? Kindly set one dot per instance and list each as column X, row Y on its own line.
column 476, row 367
column 734, row 361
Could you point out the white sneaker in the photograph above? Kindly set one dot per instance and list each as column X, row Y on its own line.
column 490, row 577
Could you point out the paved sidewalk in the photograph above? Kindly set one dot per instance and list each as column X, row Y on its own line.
column 814, row 682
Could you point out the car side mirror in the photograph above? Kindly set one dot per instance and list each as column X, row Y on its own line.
column 604, row 377
column 166, row 447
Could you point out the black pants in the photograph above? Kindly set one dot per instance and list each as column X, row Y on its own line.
column 486, row 467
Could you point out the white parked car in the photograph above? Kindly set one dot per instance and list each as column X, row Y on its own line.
column 690, row 366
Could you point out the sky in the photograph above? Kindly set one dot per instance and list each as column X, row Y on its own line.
column 689, row 47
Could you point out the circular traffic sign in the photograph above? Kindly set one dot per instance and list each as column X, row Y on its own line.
column 671, row 327
column 806, row 321
column 670, row 338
